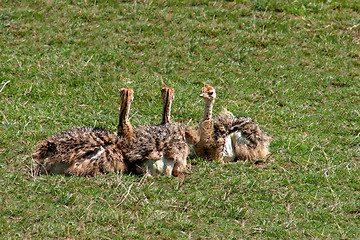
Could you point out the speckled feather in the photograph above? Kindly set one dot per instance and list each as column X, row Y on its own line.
column 254, row 142
column 154, row 142
column 248, row 140
column 81, row 151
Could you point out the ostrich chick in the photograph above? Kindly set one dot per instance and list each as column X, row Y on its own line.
column 228, row 138
column 81, row 151
column 86, row 151
column 157, row 149
column 162, row 165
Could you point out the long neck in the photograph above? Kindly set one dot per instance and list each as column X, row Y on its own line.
column 124, row 128
column 208, row 110
column 166, row 118
column 206, row 129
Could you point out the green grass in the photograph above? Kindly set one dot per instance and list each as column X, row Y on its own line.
column 294, row 66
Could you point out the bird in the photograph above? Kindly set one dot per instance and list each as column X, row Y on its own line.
column 82, row 151
column 155, row 149
column 86, row 151
column 162, row 164
column 227, row 138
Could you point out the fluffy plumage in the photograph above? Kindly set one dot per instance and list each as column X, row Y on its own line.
column 81, row 151
column 86, row 151
column 156, row 149
column 228, row 138
column 153, row 143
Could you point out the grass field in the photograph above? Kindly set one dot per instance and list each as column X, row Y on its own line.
column 294, row 66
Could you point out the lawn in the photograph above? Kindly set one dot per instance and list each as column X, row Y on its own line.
column 292, row 66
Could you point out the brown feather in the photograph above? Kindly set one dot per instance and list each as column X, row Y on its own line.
column 248, row 140
column 81, row 151
column 163, row 145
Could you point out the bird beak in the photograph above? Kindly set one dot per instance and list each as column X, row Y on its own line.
column 204, row 95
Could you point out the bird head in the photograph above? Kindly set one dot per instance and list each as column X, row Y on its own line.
column 167, row 93
column 208, row 93
column 126, row 95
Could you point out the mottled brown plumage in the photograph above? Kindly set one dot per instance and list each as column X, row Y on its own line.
column 81, row 151
column 158, row 149
column 228, row 138
column 87, row 151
